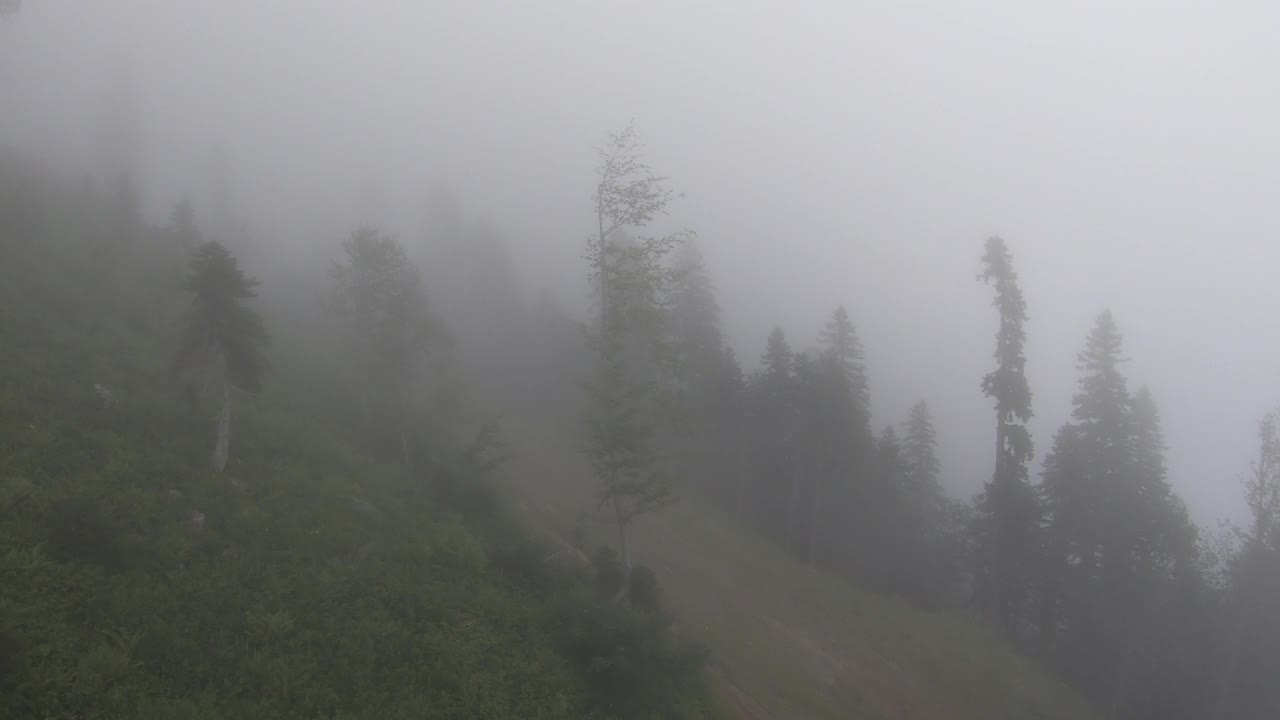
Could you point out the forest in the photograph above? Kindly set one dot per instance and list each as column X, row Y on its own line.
column 243, row 478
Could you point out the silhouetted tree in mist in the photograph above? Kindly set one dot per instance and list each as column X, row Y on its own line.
column 1007, row 512
column 1117, row 543
column 222, row 337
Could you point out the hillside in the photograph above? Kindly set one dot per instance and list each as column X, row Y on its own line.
column 788, row 641
column 315, row 578
column 318, row 578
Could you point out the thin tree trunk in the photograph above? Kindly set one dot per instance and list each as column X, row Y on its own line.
column 223, row 445
column 995, row 594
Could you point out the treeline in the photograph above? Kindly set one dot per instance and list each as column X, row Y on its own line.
column 1091, row 564
column 1087, row 561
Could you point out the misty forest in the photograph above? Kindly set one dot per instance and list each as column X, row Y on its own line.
column 315, row 407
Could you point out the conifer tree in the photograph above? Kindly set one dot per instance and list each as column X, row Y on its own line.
column 222, row 336
column 839, row 433
column 839, row 340
column 778, row 368
column 1007, row 513
column 919, row 449
column 1117, row 540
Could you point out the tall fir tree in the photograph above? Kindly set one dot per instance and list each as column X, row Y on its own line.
column 839, row 340
column 1117, row 539
column 1085, row 513
column 1007, row 509
column 920, row 457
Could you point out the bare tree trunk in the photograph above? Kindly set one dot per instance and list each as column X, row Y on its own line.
column 995, row 589
column 223, row 445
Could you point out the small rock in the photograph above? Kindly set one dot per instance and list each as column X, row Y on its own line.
column 174, row 493
column 196, row 522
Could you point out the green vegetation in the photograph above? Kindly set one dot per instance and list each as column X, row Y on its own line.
column 313, row 578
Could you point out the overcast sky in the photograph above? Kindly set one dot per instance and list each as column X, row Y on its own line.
column 830, row 152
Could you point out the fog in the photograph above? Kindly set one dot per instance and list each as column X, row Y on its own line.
column 828, row 152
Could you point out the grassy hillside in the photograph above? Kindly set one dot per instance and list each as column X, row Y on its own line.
column 790, row 642
column 317, row 578
column 313, row 580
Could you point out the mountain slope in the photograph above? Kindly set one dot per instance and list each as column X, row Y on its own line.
column 313, row 579
column 788, row 641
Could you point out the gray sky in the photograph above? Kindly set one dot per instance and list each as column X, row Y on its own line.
column 830, row 152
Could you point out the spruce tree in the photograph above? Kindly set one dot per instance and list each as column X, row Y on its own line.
column 919, row 449
column 222, row 337
column 1118, row 545
column 839, row 340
